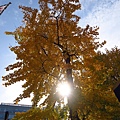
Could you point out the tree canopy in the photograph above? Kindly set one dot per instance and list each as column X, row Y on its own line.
column 51, row 42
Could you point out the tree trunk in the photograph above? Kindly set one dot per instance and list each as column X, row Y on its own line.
column 73, row 114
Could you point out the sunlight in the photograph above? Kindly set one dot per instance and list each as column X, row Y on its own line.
column 63, row 89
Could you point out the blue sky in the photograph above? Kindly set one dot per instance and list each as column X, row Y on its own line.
column 102, row 13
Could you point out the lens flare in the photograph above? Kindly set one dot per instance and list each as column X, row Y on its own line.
column 63, row 89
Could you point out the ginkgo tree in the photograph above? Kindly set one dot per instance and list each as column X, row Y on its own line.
column 53, row 48
column 98, row 99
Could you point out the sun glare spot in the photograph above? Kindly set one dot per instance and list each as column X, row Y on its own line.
column 63, row 89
